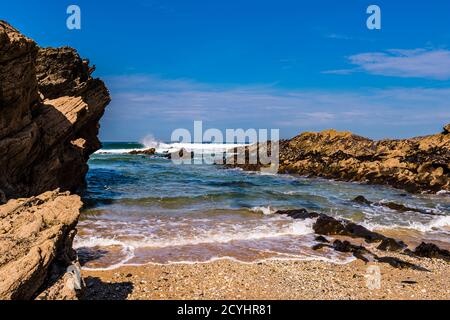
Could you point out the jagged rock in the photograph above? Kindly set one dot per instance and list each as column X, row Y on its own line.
column 366, row 255
column 298, row 214
column 447, row 129
column 389, row 244
column 430, row 250
column 50, row 107
column 419, row 164
column 326, row 225
column 148, row 152
column 36, row 237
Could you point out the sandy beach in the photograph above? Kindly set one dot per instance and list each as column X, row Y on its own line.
column 226, row 279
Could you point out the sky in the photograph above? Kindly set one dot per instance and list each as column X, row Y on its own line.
column 280, row 64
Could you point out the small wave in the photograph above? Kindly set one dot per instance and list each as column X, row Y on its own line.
column 265, row 210
column 436, row 224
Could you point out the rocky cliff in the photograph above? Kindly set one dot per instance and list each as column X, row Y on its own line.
column 50, row 107
column 36, row 247
column 419, row 164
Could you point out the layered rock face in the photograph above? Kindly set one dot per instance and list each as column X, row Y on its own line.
column 419, row 164
column 50, row 107
column 36, row 237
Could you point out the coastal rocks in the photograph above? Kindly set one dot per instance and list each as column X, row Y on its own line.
column 326, row 225
column 147, row 152
column 417, row 165
column 36, row 237
column 50, row 107
column 430, row 250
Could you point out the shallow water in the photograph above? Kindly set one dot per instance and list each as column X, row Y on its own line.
column 145, row 209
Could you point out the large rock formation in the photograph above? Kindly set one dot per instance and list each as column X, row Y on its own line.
column 50, row 107
column 36, row 246
column 419, row 164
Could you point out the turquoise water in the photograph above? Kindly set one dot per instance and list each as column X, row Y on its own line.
column 146, row 209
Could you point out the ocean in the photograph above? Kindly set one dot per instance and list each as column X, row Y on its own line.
column 145, row 209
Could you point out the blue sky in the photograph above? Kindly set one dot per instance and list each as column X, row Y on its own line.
column 293, row 65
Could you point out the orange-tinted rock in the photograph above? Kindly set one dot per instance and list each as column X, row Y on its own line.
column 50, row 107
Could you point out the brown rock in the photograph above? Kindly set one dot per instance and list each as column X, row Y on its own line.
column 50, row 107
column 36, row 238
column 148, row 152
column 417, row 165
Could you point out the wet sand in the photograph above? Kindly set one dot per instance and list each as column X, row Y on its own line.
column 226, row 279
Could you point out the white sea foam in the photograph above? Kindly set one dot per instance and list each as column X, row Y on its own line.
column 264, row 210
column 441, row 223
column 161, row 147
column 290, row 228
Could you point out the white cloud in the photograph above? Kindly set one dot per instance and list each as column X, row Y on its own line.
column 417, row 63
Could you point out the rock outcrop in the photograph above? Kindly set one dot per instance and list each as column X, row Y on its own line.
column 419, row 164
column 146, row 152
column 36, row 247
column 50, row 107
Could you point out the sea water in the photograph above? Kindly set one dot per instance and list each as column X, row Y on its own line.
column 145, row 209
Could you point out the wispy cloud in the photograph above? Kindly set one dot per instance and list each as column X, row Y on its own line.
column 417, row 63
column 151, row 103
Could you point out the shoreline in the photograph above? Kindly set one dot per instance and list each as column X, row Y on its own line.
column 270, row 280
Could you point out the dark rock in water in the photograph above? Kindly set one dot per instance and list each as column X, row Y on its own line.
column 148, row 152
column 181, row 155
column 390, row 244
column 362, row 200
column 358, row 252
column 321, row 239
column 365, row 255
column 402, row 208
column 430, row 250
column 417, row 165
column 326, row 225
column 298, row 214
column 409, row 282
